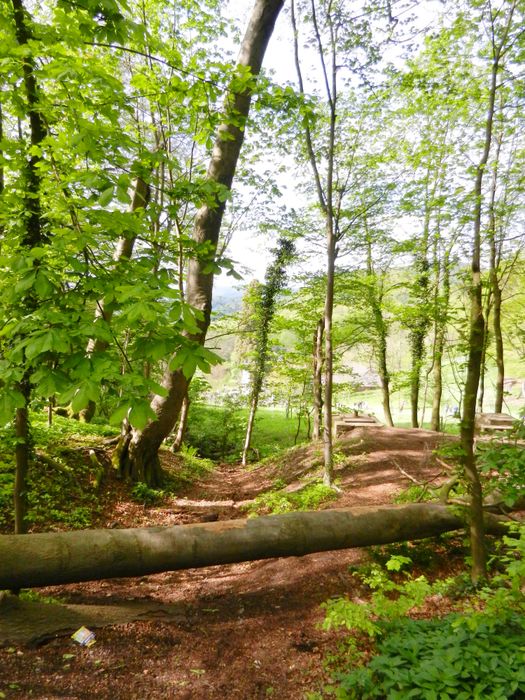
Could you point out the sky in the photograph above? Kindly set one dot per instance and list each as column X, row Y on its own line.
column 248, row 248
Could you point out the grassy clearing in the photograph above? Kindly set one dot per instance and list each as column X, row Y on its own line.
column 217, row 432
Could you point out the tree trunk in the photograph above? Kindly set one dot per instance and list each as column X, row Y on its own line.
column 328, row 474
column 249, row 427
column 476, row 339
column 418, row 332
column 183, row 424
column 34, row 236
column 495, row 286
column 498, row 339
column 486, row 341
column 317, row 383
column 141, row 455
column 375, row 295
column 45, row 559
column 440, row 321
column 22, row 458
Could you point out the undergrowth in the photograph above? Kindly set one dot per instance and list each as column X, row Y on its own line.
column 64, row 485
column 61, row 481
column 475, row 652
column 310, row 497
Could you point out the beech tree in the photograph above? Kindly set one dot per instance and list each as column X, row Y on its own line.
column 139, row 454
column 503, row 29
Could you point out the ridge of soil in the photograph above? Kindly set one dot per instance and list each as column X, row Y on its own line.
column 240, row 631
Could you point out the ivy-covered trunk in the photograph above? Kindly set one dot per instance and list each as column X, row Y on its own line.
column 33, row 237
column 441, row 304
column 274, row 283
column 375, row 298
column 141, row 456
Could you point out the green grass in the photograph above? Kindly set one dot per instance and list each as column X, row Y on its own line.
column 310, row 497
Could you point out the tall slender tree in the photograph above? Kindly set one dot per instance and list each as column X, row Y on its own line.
column 274, row 283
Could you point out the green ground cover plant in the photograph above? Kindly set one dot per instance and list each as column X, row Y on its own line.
column 310, row 497
column 475, row 652
column 62, row 488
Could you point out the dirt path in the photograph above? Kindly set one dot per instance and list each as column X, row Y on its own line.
column 236, row 632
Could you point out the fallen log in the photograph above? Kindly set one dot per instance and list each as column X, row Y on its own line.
column 43, row 559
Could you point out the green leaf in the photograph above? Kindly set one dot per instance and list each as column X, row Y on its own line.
column 140, row 414
column 189, row 366
column 43, row 287
column 10, row 400
column 106, row 197
column 119, row 414
column 86, row 392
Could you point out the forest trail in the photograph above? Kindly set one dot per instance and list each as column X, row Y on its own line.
column 242, row 631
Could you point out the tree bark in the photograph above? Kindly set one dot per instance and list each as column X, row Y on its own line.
column 34, row 235
column 183, row 424
column 28, row 561
column 317, row 383
column 249, row 426
column 380, row 327
column 495, row 285
column 440, row 325
column 419, row 329
column 477, row 332
column 141, row 455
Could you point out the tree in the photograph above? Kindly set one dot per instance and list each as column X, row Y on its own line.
column 274, row 283
column 33, row 236
column 139, row 457
column 65, row 557
column 502, row 28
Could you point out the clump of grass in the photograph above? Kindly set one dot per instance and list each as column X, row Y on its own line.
column 415, row 494
column 310, row 497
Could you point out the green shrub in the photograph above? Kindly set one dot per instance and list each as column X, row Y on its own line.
column 142, row 493
column 478, row 655
column 504, row 467
column 216, row 432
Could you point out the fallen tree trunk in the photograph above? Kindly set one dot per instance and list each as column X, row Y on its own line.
column 44, row 559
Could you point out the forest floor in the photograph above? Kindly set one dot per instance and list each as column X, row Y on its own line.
column 237, row 632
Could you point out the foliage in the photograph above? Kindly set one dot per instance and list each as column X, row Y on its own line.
column 61, row 485
column 142, row 493
column 438, row 659
column 189, row 468
column 414, row 494
column 504, row 466
column 310, row 497
column 216, row 431
column 476, row 654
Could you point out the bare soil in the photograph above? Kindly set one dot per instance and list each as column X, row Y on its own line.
column 236, row 632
